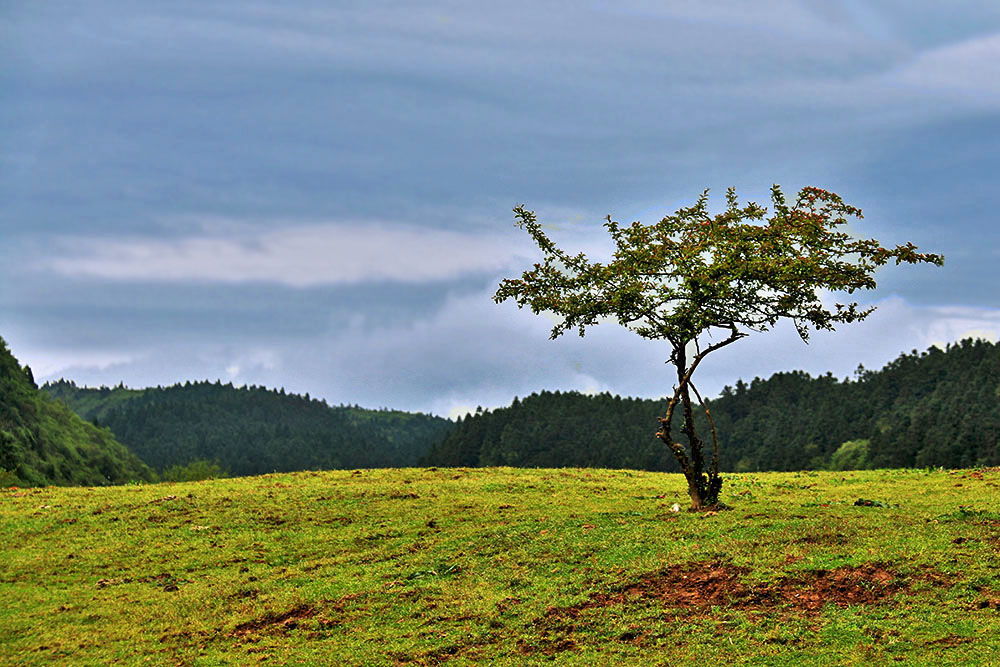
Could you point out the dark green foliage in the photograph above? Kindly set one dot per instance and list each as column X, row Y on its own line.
column 936, row 408
column 852, row 455
column 195, row 471
column 42, row 442
column 555, row 429
column 252, row 430
column 946, row 412
column 90, row 403
column 789, row 422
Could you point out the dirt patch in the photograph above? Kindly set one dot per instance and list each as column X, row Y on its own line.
column 948, row 641
column 988, row 603
column 712, row 585
column 721, row 585
column 165, row 580
column 844, row 586
column 547, row 647
column 283, row 621
column 468, row 648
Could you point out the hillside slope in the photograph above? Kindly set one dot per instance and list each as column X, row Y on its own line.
column 43, row 442
column 506, row 568
column 252, row 430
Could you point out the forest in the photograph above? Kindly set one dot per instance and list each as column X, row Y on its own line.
column 251, row 430
column 936, row 408
column 927, row 409
column 43, row 442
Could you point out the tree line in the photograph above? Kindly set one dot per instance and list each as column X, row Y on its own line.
column 927, row 409
column 250, row 430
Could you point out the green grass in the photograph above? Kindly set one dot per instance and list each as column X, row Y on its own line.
column 505, row 567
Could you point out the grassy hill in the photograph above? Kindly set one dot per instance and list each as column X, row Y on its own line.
column 506, row 567
column 251, row 430
column 43, row 442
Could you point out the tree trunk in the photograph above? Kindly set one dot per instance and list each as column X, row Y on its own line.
column 702, row 488
column 695, row 493
column 696, row 458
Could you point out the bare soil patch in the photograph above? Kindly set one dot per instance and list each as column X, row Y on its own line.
column 718, row 584
column 721, row 585
column 283, row 621
column 949, row 641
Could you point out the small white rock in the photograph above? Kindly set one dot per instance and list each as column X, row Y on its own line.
column 675, row 508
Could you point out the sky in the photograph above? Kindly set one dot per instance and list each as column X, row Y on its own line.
column 318, row 195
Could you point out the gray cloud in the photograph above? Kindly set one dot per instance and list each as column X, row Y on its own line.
column 195, row 152
column 298, row 256
column 469, row 352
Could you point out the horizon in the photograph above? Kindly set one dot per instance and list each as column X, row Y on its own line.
column 747, row 381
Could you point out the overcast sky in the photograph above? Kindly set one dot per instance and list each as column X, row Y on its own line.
column 317, row 195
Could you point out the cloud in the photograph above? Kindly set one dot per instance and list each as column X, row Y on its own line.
column 466, row 351
column 896, row 327
column 122, row 119
column 297, row 256
column 967, row 68
column 471, row 352
column 248, row 361
column 52, row 363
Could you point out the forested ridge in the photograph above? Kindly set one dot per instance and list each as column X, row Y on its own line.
column 932, row 408
column 251, row 430
column 43, row 442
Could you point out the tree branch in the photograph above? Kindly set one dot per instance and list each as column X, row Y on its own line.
column 733, row 337
column 711, row 424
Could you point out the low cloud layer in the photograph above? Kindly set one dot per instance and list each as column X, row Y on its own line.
column 470, row 352
column 960, row 70
column 298, row 256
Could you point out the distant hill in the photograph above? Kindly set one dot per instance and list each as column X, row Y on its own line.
column 252, row 430
column 935, row 408
column 43, row 442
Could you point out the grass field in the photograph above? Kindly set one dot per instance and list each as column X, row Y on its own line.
column 505, row 567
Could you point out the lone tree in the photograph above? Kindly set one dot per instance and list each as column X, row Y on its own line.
column 693, row 274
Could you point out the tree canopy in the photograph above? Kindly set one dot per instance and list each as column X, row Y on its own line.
column 694, row 273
